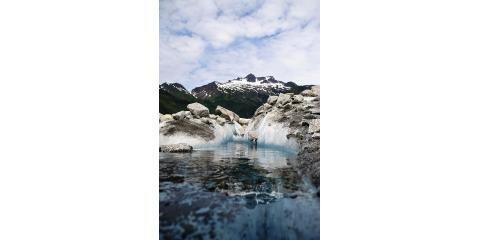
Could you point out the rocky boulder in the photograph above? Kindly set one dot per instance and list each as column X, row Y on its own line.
column 314, row 91
column 227, row 114
column 221, row 121
column 194, row 128
column 206, row 120
column 166, row 117
column 239, row 130
column 297, row 99
column 262, row 109
column 272, row 99
column 180, row 115
column 243, row 121
column 283, row 99
column 176, row 148
column 198, row 110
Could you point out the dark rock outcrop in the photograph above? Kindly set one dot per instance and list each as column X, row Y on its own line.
column 251, row 78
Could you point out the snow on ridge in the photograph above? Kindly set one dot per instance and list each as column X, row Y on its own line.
column 242, row 83
column 182, row 89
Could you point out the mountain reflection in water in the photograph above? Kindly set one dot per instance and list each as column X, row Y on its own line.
column 235, row 191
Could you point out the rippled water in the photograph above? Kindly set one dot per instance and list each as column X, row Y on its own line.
column 235, row 191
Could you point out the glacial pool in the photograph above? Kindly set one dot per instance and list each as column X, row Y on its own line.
column 235, row 191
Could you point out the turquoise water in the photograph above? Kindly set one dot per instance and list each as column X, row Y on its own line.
column 235, row 191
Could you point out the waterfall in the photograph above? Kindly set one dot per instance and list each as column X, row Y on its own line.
column 274, row 133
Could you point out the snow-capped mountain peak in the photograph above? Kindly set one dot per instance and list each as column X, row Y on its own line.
column 267, row 85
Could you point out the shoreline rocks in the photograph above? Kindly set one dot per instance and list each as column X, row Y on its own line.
column 227, row 114
column 198, row 110
column 176, row 148
column 193, row 127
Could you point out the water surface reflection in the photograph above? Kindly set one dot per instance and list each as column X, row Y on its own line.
column 235, row 188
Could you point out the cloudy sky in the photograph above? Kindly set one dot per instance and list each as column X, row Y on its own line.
column 216, row 40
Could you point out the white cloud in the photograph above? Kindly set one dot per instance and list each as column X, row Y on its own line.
column 204, row 41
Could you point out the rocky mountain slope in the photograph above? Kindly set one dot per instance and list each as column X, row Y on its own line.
column 241, row 95
column 289, row 120
column 174, row 97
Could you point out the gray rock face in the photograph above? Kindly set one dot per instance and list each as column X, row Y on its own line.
column 283, row 99
column 189, row 127
column 198, row 110
column 314, row 126
column 227, row 114
column 212, row 116
column 262, row 109
column 176, row 148
column 272, row 99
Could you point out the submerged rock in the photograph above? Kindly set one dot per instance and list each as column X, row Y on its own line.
column 176, row 148
column 198, row 110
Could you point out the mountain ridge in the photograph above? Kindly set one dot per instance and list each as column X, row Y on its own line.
column 242, row 95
